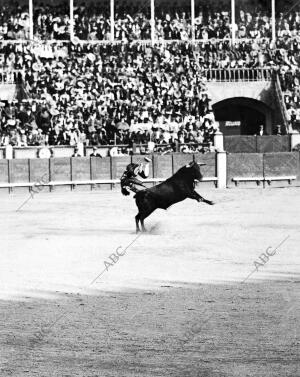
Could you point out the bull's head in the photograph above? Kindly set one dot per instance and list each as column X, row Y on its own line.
column 195, row 170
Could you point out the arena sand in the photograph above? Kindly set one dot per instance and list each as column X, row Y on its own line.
column 175, row 304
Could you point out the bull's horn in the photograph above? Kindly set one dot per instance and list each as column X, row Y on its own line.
column 189, row 164
column 201, row 163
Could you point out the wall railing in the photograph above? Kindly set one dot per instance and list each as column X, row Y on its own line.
column 141, row 41
column 283, row 110
column 103, row 150
column 9, row 76
column 238, row 74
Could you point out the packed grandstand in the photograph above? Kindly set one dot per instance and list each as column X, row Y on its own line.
column 99, row 90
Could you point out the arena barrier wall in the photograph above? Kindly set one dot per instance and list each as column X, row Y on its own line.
column 240, row 144
column 246, row 165
column 273, row 143
column 4, row 174
column 163, row 166
column 19, row 172
column 39, row 171
column 101, row 169
column 80, row 169
column 180, row 160
column 118, row 165
column 257, row 144
column 104, row 173
column 276, row 169
column 60, row 170
column 81, row 172
column 280, row 165
column 208, row 170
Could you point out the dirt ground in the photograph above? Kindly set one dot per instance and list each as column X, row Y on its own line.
column 191, row 298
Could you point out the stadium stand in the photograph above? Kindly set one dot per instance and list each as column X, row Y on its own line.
column 130, row 91
column 136, row 87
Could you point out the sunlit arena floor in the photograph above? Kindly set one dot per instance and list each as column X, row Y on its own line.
column 192, row 297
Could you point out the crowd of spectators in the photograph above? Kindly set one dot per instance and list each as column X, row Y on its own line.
column 125, row 93
column 107, row 94
column 14, row 21
column 290, row 84
column 51, row 21
column 128, row 92
column 132, row 20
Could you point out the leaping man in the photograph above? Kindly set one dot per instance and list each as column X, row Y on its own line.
column 129, row 181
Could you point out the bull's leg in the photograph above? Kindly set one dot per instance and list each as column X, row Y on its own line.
column 144, row 214
column 143, row 226
column 145, row 206
column 137, row 219
column 199, row 198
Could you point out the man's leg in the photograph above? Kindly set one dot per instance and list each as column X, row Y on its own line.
column 144, row 173
column 135, row 181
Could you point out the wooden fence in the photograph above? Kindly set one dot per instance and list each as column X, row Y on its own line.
column 265, row 168
column 221, row 170
column 94, row 172
column 257, row 144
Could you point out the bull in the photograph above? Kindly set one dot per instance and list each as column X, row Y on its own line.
column 175, row 189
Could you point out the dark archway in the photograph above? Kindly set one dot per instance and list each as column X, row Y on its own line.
column 242, row 116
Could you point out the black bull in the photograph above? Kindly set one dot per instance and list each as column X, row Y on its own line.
column 175, row 189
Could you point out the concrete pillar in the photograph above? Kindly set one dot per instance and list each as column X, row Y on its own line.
column 295, row 139
column 9, row 152
column 152, row 21
column 193, row 19
column 71, row 20
column 80, row 147
column 112, row 20
column 30, row 19
column 233, row 31
column 273, row 22
column 222, row 169
column 219, row 141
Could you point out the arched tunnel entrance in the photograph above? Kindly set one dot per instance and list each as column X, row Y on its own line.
column 242, row 116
